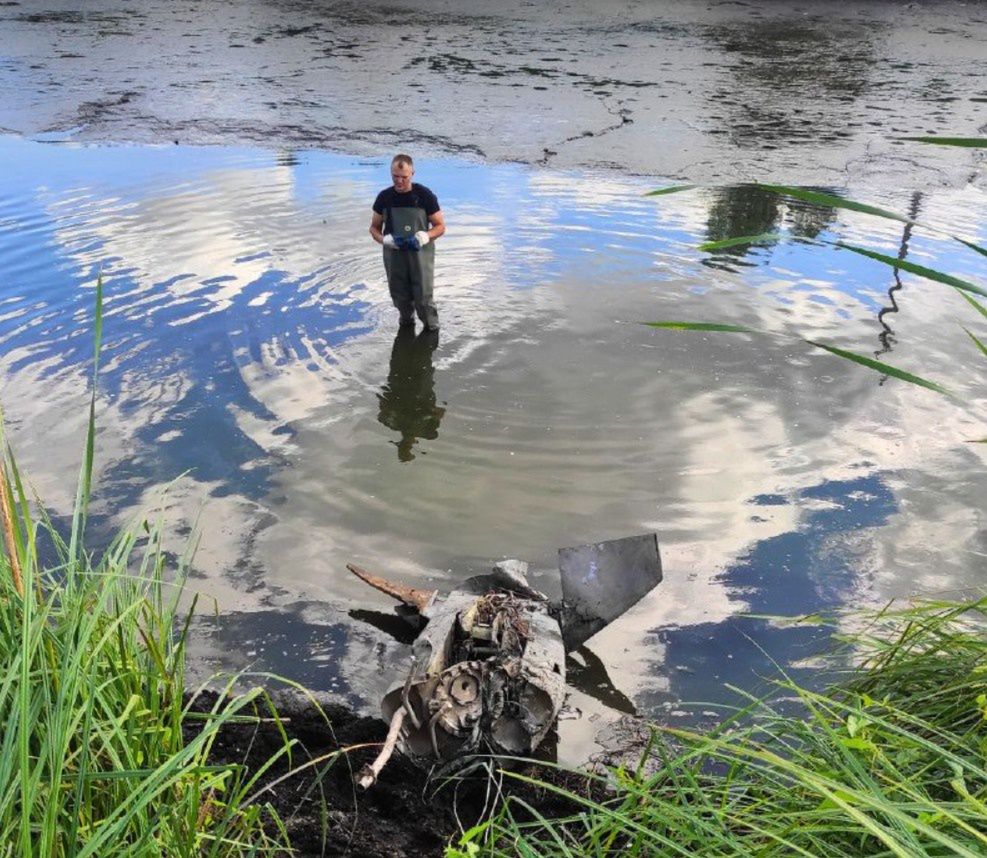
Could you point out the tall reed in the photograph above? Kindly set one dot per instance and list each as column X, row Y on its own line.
column 95, row 755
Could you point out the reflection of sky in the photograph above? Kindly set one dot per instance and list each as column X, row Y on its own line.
column 249, row 340
column 814, row 567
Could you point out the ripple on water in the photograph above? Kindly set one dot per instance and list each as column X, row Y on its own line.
column 250, row 341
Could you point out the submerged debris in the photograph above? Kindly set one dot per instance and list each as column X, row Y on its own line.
column 488, row 670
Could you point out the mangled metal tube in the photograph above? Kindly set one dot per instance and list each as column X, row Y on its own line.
column 488, row 670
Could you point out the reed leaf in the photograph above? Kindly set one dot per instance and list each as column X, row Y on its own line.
column 980, row 308
column 673, row 189
column 965, row 142
column 84, row 488
column 870, row 363
column 831, row 201
column 701, row 326
column 978, row 248
column 977, row 342
column 920, row 270
column 763, row 238
column 882, row 367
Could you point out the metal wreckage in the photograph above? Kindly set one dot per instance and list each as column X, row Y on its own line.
column 488, row 668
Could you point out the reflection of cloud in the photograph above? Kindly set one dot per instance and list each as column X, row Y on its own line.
column 566, row 421
column 46, row 414
column 200, row 242
column 303, row 643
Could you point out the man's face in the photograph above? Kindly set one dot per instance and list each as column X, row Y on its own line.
column 401, row 176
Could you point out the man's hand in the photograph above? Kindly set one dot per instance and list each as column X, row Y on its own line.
column 422, row 238
column 388, row 241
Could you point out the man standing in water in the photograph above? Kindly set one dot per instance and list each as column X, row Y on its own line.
column 406, row 221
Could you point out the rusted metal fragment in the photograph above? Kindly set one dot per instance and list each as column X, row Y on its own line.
column 411, row 596
column 488, row 670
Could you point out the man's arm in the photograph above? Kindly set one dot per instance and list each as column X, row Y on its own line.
column 437, row 225
column 376, row 225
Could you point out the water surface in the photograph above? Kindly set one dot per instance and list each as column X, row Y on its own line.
column 255, row 386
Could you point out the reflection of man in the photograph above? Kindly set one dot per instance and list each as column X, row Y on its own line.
column 406, row 220
column 407, row 401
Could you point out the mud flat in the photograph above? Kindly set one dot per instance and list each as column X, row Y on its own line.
column 707, row 92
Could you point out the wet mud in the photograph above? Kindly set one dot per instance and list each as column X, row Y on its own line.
column 702, row 91
column 408, row 812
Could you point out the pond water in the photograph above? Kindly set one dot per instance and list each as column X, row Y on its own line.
column 254, row 385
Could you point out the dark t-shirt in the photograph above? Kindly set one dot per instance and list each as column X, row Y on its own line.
column 418, row 197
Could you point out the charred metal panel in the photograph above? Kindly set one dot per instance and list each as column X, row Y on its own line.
column 602, row 580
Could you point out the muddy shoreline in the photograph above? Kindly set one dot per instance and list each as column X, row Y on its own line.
column 699, row 91
column 407, row 813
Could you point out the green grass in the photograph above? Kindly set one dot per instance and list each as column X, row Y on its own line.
column 94, row 760
column 966, row 142
column 891, row 761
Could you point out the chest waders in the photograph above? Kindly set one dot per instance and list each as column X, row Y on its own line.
column 410, row 272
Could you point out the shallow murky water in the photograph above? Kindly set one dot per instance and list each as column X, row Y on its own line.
column 250, row 346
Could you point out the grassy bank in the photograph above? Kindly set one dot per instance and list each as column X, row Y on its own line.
column 94, row 759
column 890, row 761
column 97, row 756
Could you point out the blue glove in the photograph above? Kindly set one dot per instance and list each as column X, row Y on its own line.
column 407, row 242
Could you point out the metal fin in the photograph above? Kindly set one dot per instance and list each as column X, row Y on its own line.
column 412, row 597
column 602, row 580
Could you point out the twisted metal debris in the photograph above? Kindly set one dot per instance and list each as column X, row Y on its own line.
column 488, row 670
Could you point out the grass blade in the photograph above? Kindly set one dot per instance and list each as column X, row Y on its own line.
column 831, row 201
column 980, row 308
column 920, row 270
column 981, row 250
column 80, row 513
column 977, row 342
column 701, row 326
column 965, row 142
column 763, row 238
column 882, row 367
column 6, row 502
column 673, row 189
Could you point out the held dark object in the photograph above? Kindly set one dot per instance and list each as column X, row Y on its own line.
column 406, row 242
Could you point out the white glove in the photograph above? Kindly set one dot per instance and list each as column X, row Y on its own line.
column 388, row 241
column 422, row 237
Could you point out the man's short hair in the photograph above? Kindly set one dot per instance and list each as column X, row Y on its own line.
column 401, row 158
